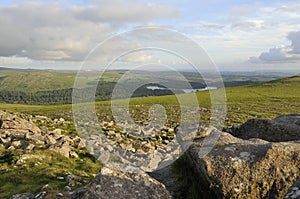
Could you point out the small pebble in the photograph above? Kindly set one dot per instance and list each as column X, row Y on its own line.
column 67, row 188
column 59, row 195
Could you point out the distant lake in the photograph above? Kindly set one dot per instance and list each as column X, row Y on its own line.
column 187, row 90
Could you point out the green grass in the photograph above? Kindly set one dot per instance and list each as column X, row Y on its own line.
column 265, row 100
column 36, row 173
column 31, row 81
column 36, row 109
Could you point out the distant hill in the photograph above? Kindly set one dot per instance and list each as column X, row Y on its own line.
column 47, row 86
column 37, row 80
column 263, row 100
column 30, row 86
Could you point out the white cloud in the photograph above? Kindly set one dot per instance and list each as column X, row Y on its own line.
column 120, row 11
column 249, row 30
column 62, row 33
column 250, row 25
column 6, row 61
column 295, row 39
column 55, row 31
column 274, row 54
column 284, row 53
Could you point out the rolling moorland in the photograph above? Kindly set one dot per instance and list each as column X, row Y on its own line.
column 55, row 87
column 261, row 97
column 265, row 97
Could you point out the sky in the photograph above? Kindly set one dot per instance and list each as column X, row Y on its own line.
column 236, row 35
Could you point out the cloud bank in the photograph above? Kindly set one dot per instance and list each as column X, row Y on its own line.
column 288, row 53
column 59, row 32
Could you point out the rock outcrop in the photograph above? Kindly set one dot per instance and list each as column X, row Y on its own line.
column 283, row 128
column 18, row 133
column 111, row 183
column 253, row 168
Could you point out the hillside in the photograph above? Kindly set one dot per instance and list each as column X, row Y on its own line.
column 30, row 81
column 29, row 86
column 264, row 100
column 34, row 157
column 34, row 80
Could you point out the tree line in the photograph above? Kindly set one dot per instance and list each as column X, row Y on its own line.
column 64, row 96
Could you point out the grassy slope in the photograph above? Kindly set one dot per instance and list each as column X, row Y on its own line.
column 41, row 80
column 36, row 173
column 28, row 80
column 266, row 100
column 35, row 80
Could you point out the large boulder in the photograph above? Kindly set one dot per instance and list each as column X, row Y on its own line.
column 110, row 183
column 283, row 128
column 253, row 168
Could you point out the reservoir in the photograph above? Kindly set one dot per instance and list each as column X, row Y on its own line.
column 187, row 90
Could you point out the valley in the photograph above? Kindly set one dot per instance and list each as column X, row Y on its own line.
column 265, row 97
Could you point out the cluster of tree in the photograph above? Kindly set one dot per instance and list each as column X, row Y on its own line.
column 102, row 92
column 41, row 97
column 239, row 83
column 143, row 91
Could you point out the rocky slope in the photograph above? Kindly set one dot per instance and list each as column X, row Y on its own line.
column 18, row 133
column 259, row 159
column 110, row 183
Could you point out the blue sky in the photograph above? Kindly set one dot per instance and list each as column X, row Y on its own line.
column 237, row 35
